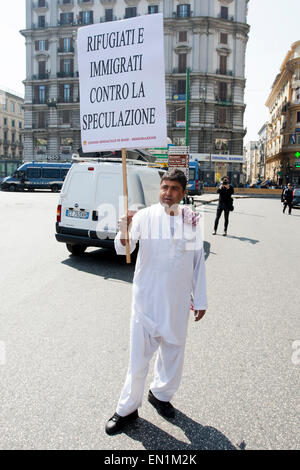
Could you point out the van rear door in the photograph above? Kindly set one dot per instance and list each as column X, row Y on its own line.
column 76, row 198
column 107, row 200
column 150, row 180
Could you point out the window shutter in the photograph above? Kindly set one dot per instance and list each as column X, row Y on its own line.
column 71, row 92
column 42, row 67
column 91, row 17
column 223, row 91
column 37, row 45
column 223, row 64
column 182, row 63
column 222, row 115
column 72, row 66
column 46, row 44
column 61, row 93
column 61, row 65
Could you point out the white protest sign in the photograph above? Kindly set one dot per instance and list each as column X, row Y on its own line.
column 122, row 84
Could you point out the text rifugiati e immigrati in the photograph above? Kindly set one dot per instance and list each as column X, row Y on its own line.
column 114, row 67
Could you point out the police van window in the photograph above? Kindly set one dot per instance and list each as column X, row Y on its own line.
column 191, row 173
column 50, row 173
column 64, row 172
column 33, row 172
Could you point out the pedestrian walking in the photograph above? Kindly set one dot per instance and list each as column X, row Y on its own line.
column 225, row 191
column 287, row 198
column 170, row 267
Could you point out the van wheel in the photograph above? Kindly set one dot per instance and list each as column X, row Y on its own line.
column 76, row 250
column 11, row 188
column 54, row 188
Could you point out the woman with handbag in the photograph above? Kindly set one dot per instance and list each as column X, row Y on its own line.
column 225, row 191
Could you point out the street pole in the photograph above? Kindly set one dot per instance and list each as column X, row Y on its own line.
column 187, row 108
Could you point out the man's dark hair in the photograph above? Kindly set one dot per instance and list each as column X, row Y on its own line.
column 225, row 178
column 175, row 175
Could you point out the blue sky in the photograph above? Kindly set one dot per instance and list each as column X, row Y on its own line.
column 274, row 27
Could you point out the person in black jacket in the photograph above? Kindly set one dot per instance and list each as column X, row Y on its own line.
column 287, row 198
column 225, row 192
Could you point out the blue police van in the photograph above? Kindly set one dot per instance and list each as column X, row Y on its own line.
column 194, row 186
column 35, row 175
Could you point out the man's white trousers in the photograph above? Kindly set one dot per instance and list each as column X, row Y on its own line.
column 167, row 369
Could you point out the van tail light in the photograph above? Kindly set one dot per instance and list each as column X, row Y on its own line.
column 58, row 213
column 91, row 168
column 197, row 183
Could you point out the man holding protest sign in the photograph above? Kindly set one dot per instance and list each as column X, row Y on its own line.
column 123, row 105
column 170, row 266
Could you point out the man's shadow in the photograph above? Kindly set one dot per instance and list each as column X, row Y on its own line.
column 200, row 437
column 107, row 264
column 244, row 239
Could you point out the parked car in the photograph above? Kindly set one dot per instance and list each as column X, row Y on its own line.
column 296, row 200
column 91, row 201
column 34, row 175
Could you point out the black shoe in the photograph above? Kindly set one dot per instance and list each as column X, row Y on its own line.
column 164, row 408
column 215, row 232
column 225, row 234
column 116, row 423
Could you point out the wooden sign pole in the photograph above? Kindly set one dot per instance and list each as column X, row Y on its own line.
column 125, row 193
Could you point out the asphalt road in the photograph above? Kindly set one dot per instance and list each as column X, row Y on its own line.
column 64, row 337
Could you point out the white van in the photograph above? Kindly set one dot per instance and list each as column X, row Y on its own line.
column 91, row 201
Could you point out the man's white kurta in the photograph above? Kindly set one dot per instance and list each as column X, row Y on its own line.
column 168, row 270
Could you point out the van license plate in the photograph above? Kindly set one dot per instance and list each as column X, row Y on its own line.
column 77, row 214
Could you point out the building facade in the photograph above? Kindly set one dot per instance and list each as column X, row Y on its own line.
column 209, row 37
column 11, row 129
column 251, row 161
column 262, row 144
column 283, row 132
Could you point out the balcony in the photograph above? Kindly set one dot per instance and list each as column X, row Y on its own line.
column 40, row 125
column 68, row 100
column 224, row 72
column 67, row 74
column 223, row 101
column 39, row 101
column 6, row 142
column 103, row 19
column 64, row 51
column 178, row 70
column 229, row 18
column 37, row 26
column 41, row 76
column 65, row 5
column 87, row 3
column 181, row 16
column 67, row 23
